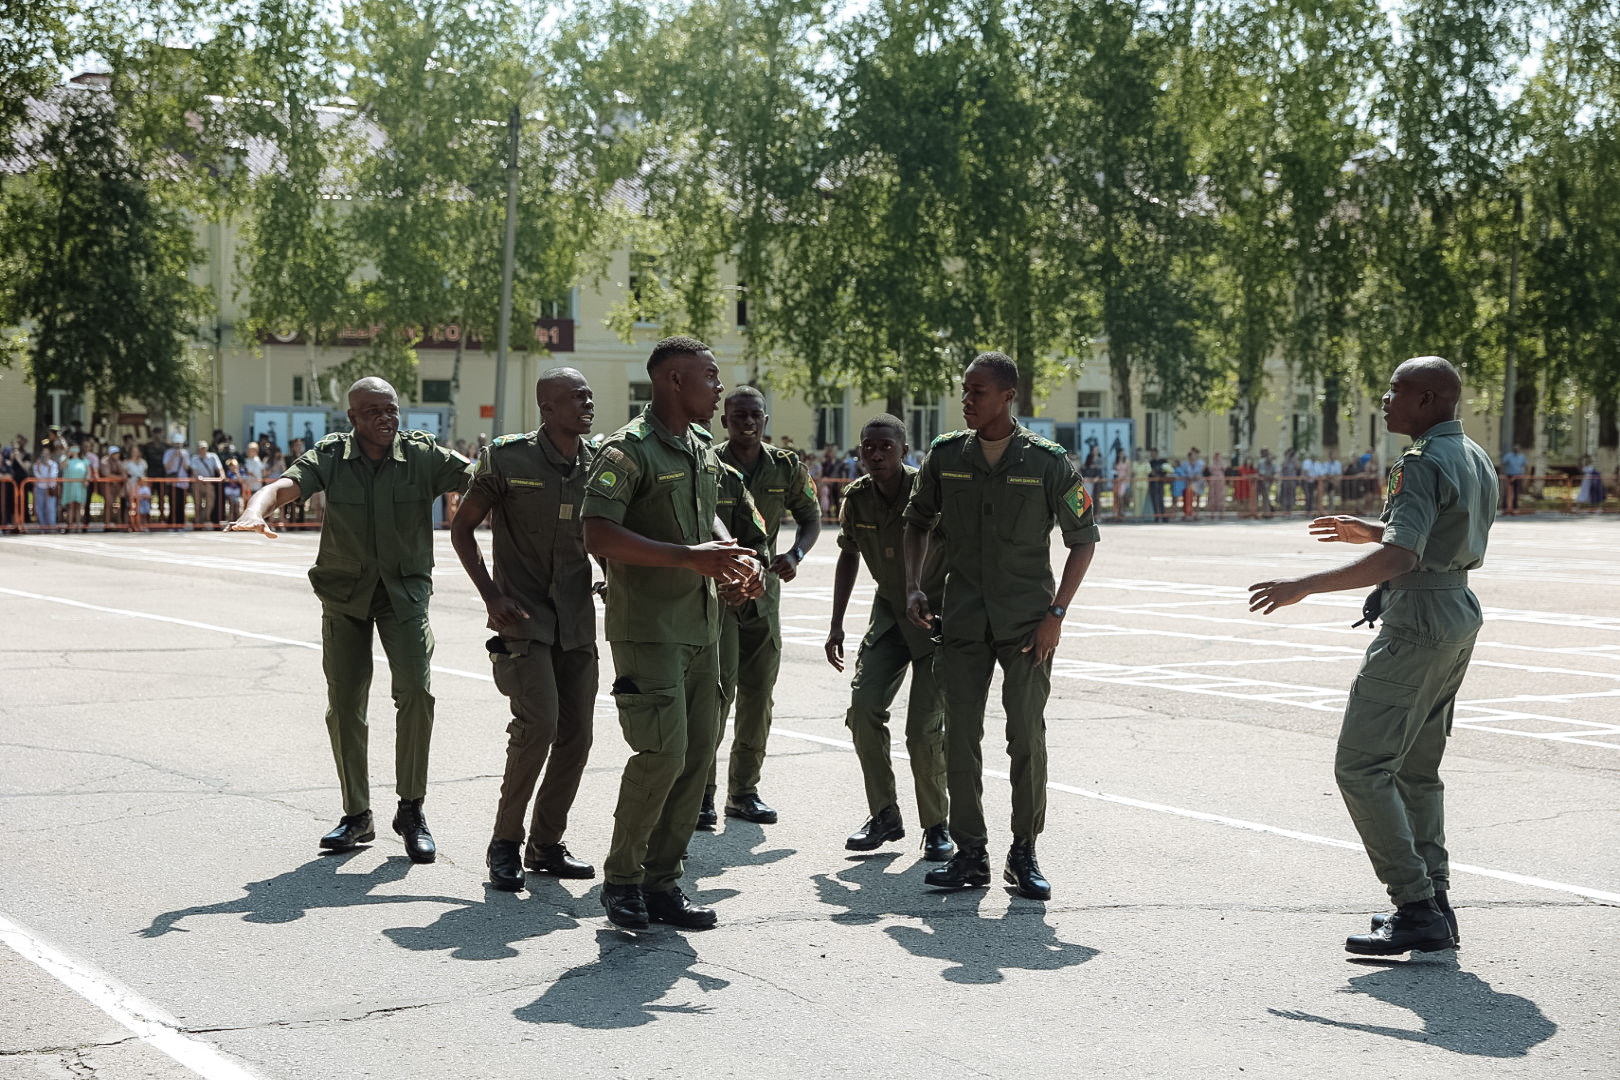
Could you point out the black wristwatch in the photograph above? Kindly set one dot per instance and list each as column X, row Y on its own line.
column 1057, row 611
column 798, row 554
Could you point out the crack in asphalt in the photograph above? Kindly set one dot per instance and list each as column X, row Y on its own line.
column 77, row 1048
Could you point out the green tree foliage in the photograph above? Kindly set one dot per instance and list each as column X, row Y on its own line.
column 105, row 287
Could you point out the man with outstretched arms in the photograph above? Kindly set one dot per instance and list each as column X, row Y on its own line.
column 1441, row 503
column 995, row 491
column 374, row 569
column 751, row 638
column 531, row 487
column 650, row 512
column 871, row 526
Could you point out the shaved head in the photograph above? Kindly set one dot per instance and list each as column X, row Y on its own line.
column 371, row 384
column 557, row 381
column 750, row 392
column 1433, row 373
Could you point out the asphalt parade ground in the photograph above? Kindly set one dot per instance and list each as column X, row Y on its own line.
column 165, row 774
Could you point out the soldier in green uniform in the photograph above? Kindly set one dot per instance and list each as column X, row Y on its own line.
column 995, row 491
column 751, row 638
column 650, row 512
column 374, row 569
column 1438, row 514
column 539, row 602
column 871, row 528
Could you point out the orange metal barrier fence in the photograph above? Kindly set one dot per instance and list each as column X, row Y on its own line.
column 106, row 504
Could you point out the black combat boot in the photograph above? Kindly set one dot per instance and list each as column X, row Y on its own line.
column 558, row 861
column 937, row 843
column 1442, row 902
column 1024, row 872
column 625, row 906
column 410, row 824
column 1418, row 926
column 352, row 830
column 671, row 906
column 708, row 819
column 969, row 868
column 880, row 828
column 750, row 807
column 505, row 868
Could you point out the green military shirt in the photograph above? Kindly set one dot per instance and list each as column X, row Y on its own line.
column 379, row 518
column 998, row 565
column 875, row 528
column 1441, row 504
column 538, row 535
column 778, row 483
column 667, row 488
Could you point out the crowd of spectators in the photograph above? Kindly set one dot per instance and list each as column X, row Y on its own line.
column 75, row 477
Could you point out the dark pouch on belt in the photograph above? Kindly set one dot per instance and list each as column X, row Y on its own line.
column 1371, row 608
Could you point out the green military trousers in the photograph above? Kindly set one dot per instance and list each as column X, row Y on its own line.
column 1396, row 723
column 669, row 708
column 553, row 696
column 346, row 660
column 963, row 670
column 879, row 668
column 750, row 656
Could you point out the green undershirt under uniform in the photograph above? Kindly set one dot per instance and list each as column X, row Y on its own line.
column 996, row 522
column 546, row 665
column 875, row 528
column 375, row 569
column 751, row 637
column 1441, row 504
column 663, row 625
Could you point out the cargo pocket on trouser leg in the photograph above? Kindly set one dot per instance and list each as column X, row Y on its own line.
column 1378, row 717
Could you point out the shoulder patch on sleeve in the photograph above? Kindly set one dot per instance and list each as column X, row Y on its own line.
column 1396, row 476
column 950, row 436
column 1077, row 500
column 614, row 456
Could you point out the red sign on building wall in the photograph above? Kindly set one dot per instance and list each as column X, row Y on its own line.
column 553, row 335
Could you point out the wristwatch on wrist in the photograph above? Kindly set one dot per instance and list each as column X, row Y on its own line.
column 1057, row 611
column 798, row 554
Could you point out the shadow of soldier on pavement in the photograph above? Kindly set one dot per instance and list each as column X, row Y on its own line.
column 491, row 930
column 714, row 853
column 953, row 930
column 623, row 986
column 289, row 897
column 1459, row 1010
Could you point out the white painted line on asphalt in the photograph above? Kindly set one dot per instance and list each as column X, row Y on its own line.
column 148, row 1023
column 1196, row 815
column 1239, row 823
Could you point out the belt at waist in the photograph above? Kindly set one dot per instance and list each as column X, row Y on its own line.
column 1431, row 580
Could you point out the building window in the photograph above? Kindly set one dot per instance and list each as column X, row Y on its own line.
column 643, row 271
column 298, row 389
column 922, row 419
column 1089, row 405
column 829, row 426
column 640, row 398
column 742, row 304
column 435, row 391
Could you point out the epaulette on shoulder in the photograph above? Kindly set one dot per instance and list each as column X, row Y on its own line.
column 504, row 440
column 702, row 432
column 732, row 471
column 950, row 436
column 636, row 429
column 331, row 442
column 1416, row 449
column 858, row 485
column 1047, row 444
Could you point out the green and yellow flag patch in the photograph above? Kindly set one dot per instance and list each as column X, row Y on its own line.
column 810, row 489
column 1077, row 500
column 1396, row 475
